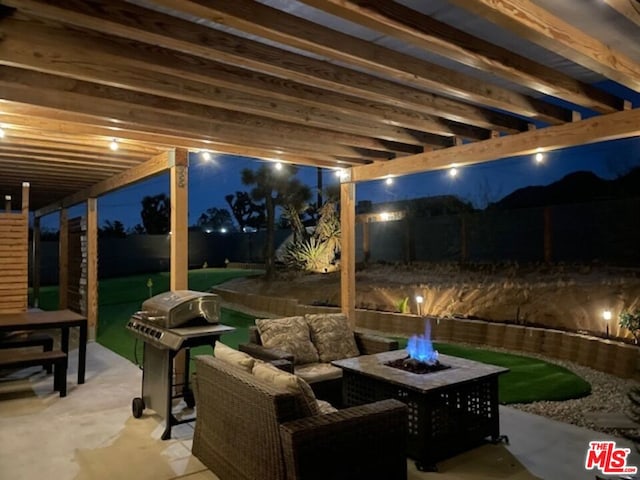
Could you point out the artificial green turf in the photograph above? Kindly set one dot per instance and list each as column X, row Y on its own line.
column 528, row 380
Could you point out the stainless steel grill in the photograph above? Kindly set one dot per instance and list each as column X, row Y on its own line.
column 168, row 323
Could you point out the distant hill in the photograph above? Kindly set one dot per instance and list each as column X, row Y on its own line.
column 576, row 187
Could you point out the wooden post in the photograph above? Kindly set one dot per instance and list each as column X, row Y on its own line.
column 25, row 200
column 348, row 252
column 7, row 203
column 548, row 244
column 179, row 185
column 63, row 260
column 92, row 266
column 35, row 262
column 179, row 220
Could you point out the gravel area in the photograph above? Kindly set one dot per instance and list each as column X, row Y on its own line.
column 608, row 396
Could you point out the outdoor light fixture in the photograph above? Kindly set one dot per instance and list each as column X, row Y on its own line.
column 113, row 145
column 606, row 315
column 419, row 300
column 389, row 181
column 205, row 156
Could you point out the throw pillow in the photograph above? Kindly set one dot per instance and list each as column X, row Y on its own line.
column 290, row 383
column 332, row 336
column 234, row 357
column 290, row 334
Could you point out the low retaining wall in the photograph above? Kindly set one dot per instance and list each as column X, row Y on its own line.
column 616, row 358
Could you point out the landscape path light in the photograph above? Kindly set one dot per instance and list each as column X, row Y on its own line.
column 606, row 315
column 419, row 301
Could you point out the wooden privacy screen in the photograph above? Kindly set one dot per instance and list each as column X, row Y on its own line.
column 77, row 255
column 14, row 259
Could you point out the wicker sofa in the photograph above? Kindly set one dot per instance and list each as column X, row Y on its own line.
column 324, row 378
column 247, row 429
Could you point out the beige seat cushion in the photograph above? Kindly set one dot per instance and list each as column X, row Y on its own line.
column 291, row 383
column 332, row 336
column 318, row 372
column 234, row 357
column 290, row 334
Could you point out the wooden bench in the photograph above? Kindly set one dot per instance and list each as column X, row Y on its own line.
column 55, row 358
column 30, row 340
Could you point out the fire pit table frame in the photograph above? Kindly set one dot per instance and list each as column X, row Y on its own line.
column 450, row 411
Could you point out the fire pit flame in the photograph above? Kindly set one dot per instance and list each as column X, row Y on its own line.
column 421, row 349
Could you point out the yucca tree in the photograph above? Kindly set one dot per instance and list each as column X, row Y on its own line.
column 317, row 252
column 274, row 187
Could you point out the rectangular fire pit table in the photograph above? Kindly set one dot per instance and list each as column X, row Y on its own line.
column 450, row 411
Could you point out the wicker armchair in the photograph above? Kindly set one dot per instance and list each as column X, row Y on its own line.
column 325, row 389
column 247, row 429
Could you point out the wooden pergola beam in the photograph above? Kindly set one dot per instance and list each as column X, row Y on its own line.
column 267, row 22
column 126, row 20
column 429, row 34
column 626, row 8
column 154, row 166
column 613, row 126
column 181, row 76
column 133, row 111
column 21, row 117
column 529, row 21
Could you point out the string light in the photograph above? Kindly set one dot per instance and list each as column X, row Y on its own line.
column 113, row 145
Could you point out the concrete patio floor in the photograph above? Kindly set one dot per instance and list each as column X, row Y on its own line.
column 91, row 435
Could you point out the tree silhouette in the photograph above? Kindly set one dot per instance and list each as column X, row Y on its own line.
column 214, row 219
column 245, row 211
column 274, row 187
column 155, row 214
column 113, row 229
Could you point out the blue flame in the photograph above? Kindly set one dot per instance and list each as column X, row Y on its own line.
column 420, row 347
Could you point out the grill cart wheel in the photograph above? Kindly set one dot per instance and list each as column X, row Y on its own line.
column 137, row 406
column 189, row 399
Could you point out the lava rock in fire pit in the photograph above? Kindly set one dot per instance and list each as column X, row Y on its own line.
column 413, row 365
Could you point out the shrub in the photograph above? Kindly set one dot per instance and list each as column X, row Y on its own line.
column 631, row 321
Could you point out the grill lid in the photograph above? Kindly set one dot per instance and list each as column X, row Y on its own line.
column 175, row 308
